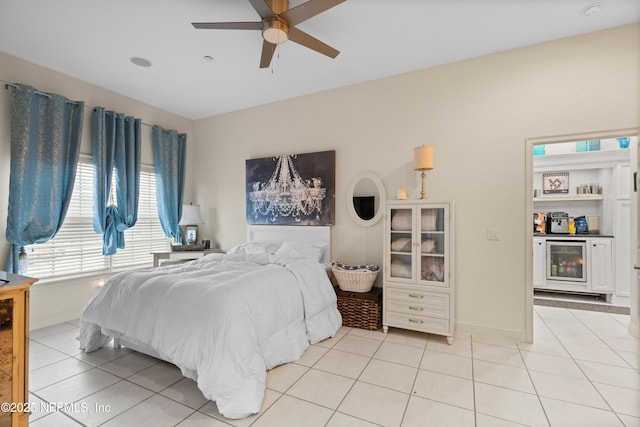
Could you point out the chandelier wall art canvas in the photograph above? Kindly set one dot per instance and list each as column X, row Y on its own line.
column 292, row 189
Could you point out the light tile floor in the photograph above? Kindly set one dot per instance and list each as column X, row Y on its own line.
column 583, row 369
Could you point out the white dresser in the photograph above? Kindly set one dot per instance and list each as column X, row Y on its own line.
column 418, row 284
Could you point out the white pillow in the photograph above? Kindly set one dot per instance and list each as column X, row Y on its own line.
column 429, row 219
column 301, row 250
column 428, row 246
column 400, row 269
column 268, row 248
column 401, row 220
column 401, row 244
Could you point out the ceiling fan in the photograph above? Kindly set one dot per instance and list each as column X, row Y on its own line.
column 278, row 25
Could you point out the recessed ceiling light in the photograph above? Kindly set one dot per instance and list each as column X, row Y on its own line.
column 141, row 62
column 592, row 9
column 207, row 58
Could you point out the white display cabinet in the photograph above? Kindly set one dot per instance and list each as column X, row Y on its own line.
column 419, row 286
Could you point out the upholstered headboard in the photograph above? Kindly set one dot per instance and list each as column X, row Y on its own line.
column 295, row 233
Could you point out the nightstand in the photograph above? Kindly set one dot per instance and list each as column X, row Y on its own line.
column 158, row 257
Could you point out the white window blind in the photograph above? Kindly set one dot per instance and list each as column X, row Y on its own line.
column 77, row 248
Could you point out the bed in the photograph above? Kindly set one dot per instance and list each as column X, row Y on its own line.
column 224, row 319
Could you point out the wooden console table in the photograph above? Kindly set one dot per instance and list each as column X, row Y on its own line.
column 14, row 347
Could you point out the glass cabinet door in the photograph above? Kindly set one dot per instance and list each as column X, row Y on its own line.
column 565, row 261
column 6, row 357
column 433, row 242
column 401, row 243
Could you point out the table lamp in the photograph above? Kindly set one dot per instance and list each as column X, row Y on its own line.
column 422, row 161
column 190, row 219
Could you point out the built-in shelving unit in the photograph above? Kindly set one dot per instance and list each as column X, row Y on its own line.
column 569, row 198
column 610, row 271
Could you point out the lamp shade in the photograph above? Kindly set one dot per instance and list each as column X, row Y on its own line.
column 422, row 158
column 191, row 215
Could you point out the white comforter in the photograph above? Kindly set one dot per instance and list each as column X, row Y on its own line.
column 223, row 319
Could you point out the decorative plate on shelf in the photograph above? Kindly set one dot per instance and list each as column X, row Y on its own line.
column 554, row 183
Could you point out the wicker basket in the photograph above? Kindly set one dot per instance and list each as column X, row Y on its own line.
column 361, row 309
column 360, row 280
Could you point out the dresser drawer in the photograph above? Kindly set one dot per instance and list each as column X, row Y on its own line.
column 440, row 310
column 416, row 322
column 417, row 302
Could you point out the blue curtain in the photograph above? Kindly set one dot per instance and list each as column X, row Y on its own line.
column 116, row 147
column 46, row 130
column 169, row 154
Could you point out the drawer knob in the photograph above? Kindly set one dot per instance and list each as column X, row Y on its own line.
column 416, row 308
column 416, row 296
column 416, row 321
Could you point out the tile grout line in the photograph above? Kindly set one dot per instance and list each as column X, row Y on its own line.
column 355, row 380
column 120, row 379
column 533, row 384
column 581, row 370
column 334, row 411
column 473, row 359
column 604, row 342
column 351, row 333
column 308, row 368
column 587, row 376
column 473, row 382
column 415, row 378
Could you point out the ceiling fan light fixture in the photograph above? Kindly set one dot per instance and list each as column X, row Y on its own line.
column 275, row 31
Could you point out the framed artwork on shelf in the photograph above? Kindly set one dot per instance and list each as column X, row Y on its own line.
column 555, row 183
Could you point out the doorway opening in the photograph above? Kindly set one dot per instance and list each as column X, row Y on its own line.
column 583, row 209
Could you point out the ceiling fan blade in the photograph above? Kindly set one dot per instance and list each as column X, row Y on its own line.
column 263, row 9
column 227, row 25
column 308, row 10
column 311, row 42
column 267, row 53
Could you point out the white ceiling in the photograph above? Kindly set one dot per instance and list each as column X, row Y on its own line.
column 93, row 40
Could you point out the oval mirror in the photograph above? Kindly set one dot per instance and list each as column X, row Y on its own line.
column 366, row 198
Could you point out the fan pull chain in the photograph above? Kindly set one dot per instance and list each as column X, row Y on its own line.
column 277, row 57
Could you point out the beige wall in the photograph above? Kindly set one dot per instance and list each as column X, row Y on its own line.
column 60, row 301
column 477, row 113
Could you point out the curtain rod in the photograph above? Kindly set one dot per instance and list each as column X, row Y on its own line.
column 7, row 84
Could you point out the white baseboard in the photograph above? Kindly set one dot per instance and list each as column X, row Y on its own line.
column 37, row 322
column 60, row 301
column 491, row 331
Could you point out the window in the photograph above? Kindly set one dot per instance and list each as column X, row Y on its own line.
column 77, row 248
